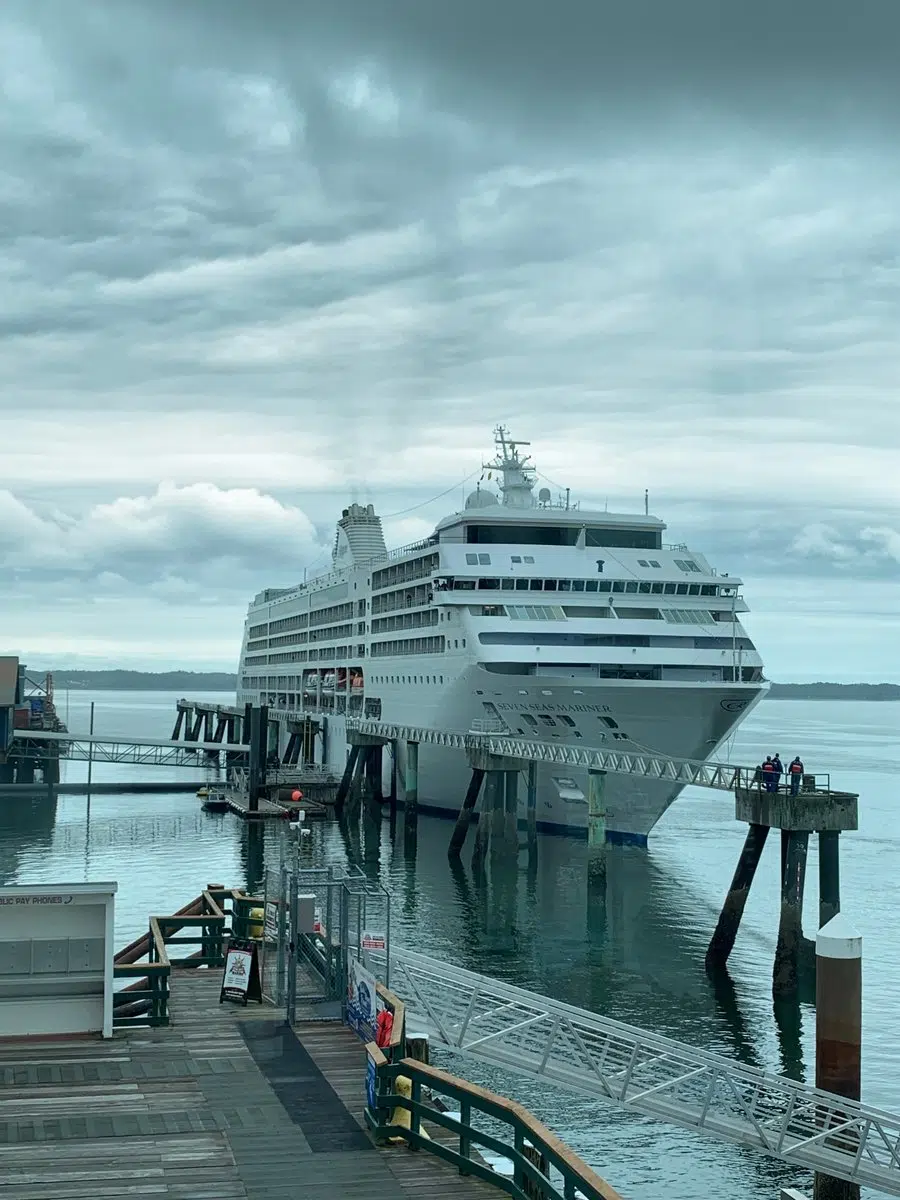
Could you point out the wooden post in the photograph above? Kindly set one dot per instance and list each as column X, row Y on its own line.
column 466, row 814
column 838, row 1028
column 723, row 939
column 829, row 876
column 790, row 927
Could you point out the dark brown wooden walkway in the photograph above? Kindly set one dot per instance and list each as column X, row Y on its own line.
column 225, row 1104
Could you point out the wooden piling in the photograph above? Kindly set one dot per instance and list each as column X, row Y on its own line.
column 466, row 814
column 729, row 922
column 838, row 1028
column 790, row 927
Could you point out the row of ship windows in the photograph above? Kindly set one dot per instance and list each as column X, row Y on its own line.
column 558, row 612
column 545, row 638
column 683, row 564
column 632, row 587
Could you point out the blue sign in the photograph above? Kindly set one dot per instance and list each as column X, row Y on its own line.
column 371, row 1084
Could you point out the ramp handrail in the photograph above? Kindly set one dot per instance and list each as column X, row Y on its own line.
column 541, row 1037
column 542, row 1165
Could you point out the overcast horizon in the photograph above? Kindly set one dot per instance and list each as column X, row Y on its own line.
column 260, row 261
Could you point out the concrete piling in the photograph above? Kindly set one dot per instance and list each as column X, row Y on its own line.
column 838, row 1028
column 790, row 926
column 466, row 813
column 729, row 922
column 596, row 818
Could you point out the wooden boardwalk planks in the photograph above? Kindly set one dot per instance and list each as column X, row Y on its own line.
column 225, row 1104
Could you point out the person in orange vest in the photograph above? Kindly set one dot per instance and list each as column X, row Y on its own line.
column 768, row 774
column 795, row 770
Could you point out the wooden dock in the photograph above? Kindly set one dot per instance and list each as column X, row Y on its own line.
column 224, row 1104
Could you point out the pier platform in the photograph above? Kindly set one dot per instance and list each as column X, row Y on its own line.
column 225, row 1103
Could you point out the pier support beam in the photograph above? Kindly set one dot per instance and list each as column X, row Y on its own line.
column 838, row 1028
column 511, row 809
column 374, row 775
column 829, row 876
column 346, row 779
column 531, row 814
column 466, row 814
column 597, row 821
column 729, row 922
column 790, row 927
column 411, row 790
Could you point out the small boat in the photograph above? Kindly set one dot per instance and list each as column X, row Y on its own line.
column 215, row 802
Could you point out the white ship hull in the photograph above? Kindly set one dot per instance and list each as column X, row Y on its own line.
column 678, row 719
column 547, row 621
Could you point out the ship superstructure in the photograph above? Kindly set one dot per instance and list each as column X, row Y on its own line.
column 519, row 614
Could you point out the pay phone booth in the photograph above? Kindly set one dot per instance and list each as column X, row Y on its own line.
column 56, row 959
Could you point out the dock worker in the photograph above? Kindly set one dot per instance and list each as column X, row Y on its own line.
column 768, row 774
column 778, row 768
column 795, row 770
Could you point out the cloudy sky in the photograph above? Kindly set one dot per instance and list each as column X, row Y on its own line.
column 259, row 259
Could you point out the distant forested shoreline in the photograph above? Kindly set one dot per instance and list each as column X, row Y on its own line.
column 143, row 681
column 223, row 681
column 835, row 691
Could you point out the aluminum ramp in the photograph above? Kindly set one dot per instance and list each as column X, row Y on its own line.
column 573, row 1048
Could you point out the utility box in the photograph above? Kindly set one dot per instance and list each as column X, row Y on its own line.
column 56, row 959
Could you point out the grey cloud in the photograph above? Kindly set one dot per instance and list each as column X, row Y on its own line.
column 177, row 540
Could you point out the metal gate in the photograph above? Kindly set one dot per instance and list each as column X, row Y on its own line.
column 351, row 918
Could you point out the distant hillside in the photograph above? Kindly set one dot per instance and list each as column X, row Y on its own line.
column 145, row 681
column 835, row 691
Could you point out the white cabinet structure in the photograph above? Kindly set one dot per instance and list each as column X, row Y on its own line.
column 56, row 959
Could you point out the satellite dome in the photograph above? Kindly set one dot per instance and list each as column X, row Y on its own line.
column 480, row 499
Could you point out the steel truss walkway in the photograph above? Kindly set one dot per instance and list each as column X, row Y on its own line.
column 719, row 776
column 156, row 752
column 532, row 1034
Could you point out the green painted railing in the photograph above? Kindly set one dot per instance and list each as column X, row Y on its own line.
column 543, row 1167
column 206, row 924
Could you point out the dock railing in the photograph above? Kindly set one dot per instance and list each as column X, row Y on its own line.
column 206, row 924
column 543, row 1167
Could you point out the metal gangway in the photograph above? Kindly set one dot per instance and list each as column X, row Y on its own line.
column 573, row 1048
column 722, row 777
column 154, row 752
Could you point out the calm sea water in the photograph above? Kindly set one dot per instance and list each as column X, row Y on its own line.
column 638, row 959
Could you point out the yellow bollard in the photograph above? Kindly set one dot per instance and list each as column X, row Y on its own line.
column 402, row 1116
column 255, row 923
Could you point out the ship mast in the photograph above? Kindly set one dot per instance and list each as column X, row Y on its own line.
column 516, row 473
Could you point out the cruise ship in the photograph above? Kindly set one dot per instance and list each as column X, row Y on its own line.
column 525, row 614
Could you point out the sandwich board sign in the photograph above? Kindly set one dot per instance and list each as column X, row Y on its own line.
column 240, row 980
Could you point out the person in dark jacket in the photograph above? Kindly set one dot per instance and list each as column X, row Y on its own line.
column 795, row 771
column 768, row 774
column 778, row 769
